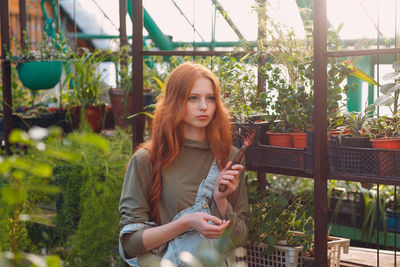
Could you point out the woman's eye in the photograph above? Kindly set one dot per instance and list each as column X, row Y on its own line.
column 192, row 98
column 211, row 98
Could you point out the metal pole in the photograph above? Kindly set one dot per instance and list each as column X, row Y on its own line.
column 321, row 170
column 137, row 72
column 6, row 73
column 22, row 22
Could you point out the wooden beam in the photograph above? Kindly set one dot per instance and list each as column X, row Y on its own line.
column 137, row 72
column 6, row 73
column 321, row 170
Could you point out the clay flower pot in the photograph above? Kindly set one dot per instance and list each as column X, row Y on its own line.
column 299, row 140
column 279, row 139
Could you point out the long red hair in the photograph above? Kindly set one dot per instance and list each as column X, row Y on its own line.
column 167, row 133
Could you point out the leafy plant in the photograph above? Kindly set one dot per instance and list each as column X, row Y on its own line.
column 391, row 91
column 49, row 49
column 23, row 179
column 87, row 77
column 384, row 126
column 276, row 215
column 238, row 80
column 357, row 123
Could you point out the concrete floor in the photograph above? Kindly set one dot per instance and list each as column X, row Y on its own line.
column 368, row 258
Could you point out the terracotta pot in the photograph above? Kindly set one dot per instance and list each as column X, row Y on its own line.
column 279, row 139
column 386, row 159
column 122, row 106
column 299, row 140
column 109, row 118
column 95, row 116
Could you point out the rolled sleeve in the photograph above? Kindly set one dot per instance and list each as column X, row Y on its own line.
column 133, row 207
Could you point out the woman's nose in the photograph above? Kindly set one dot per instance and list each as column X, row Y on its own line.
column 203, row 104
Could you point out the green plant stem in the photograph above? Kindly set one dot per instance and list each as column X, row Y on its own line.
column 14, row 237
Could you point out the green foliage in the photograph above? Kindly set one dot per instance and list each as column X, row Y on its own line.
column 20, row 95
column 69, row 178
column 358, row 123
column 90, row 178
column 385, row 126
column 391, row 91
column 21, row 183
column 49, row 49
column 275, row 215
column 90, row 202
column 86, row 76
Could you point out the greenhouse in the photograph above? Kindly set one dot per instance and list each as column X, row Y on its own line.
column 200, row 133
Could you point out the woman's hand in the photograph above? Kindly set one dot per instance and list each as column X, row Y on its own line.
column 205, row 224
column 229, row 178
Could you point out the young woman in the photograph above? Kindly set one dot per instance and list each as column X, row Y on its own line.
column 170, row 200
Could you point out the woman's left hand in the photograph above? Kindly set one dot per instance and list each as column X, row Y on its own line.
column 229, row 178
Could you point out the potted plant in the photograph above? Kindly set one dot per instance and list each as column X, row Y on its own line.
column 387, row 128
column 276, row 215
column 121, row 95
column 87, row 91
column 282, row 109
column 354, row 127
column 42, row 68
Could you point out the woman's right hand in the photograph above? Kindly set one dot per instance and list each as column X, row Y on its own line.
column 205, row 224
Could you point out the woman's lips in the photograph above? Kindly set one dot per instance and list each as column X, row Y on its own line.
column 202, row 117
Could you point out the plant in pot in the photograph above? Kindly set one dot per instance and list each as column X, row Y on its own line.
column 355, row 127
column 293, row 114
column 388, row 128
column 87, row 92
column 121, row 96
column 281, row 109
column 276, row 216
column 46, row 62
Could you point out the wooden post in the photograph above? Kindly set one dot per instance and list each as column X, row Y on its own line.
column 137, row 72
column 22, row 22
column 321, row 169
column 122, row 23
column 6, row 73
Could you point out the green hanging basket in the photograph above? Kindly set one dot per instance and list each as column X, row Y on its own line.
column 40, row 75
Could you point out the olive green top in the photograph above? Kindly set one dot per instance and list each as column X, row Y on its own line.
column 179, row 188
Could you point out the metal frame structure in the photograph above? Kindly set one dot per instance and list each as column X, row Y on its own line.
column 321, row 55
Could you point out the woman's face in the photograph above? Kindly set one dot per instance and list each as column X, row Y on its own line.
column 200, row 108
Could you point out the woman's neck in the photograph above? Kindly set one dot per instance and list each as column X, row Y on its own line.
column 198, row 135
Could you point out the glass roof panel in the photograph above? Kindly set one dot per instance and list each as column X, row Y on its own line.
column 177, row 18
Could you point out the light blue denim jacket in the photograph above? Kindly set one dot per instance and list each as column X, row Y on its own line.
column 188, row 241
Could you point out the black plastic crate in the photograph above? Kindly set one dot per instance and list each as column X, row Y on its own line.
column 261, row 155
column 259, row 138
column 363, row 161
column 284, row 157
column 346, row 208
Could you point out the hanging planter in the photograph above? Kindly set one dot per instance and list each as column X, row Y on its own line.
column 40, row 75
